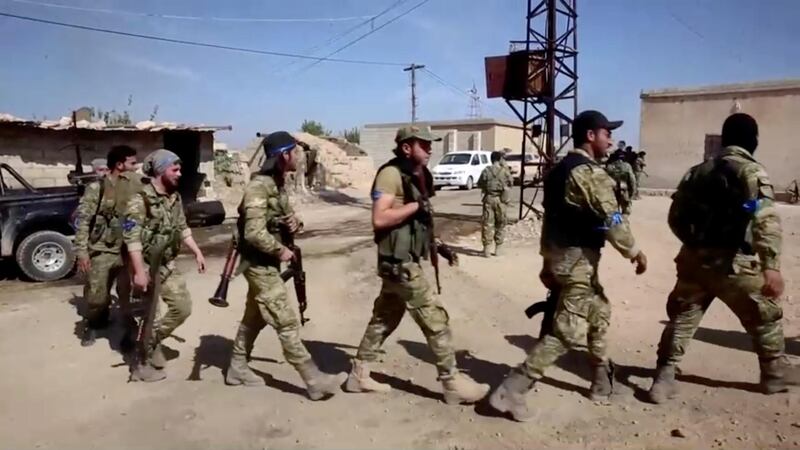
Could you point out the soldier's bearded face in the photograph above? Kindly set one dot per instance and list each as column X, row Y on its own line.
column 290, row 160
column 171, row 176
column 601, row 141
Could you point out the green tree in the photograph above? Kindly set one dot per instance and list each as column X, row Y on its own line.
column 314, row 128
column 352, row 135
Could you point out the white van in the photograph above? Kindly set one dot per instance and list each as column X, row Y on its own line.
column 461, row 168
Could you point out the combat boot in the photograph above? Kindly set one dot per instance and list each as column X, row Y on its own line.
column 509, row 397
column 772, row 376
column 664, row 385
column 147, row 374
column 157, row 358
column 319, row 385
column 498, row 250
column 487, row 251
column 239, row 373
column 459, row 388
column 360, row 381
column 89, row 336
column 602, row 383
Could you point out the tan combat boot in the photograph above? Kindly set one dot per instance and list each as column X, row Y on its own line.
column 498, row 250
column 319, row 385
column 664, row 385
column 509, row 397
column 360, row 381
column 602, row 383
column 772, row 376
column 459, row 388
column 239, row 373
column 487, row 251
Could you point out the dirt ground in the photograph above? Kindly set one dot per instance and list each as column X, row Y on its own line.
column 56, row 394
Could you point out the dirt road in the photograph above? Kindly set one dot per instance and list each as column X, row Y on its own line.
column 56, row 394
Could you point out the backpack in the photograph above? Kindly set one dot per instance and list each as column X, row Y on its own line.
column 710, row 207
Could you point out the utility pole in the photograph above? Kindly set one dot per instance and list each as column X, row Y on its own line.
column 413, row 69
column 474, row 103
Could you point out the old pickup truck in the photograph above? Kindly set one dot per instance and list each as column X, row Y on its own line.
column 35, row 226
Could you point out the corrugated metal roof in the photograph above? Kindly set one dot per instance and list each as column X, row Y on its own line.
column 738, row 88
column 65, row 123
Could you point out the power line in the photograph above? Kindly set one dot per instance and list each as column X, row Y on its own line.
column 200, row 44
column 197, row 18
column 460, row 91
column 363, row 36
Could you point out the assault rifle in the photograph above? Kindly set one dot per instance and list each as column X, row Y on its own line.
column 145, row 336
column 548, row 307
column 295, row 271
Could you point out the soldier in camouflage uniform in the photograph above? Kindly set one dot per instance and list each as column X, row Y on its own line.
column 495, row 182
column 224, row 165
column 638, row 170
column 155, row 218
column 402, row 221
column 98, row 239
column 100, row 167
column 580, row 214
column 625, row 180
column 264, row 208
column 724, row 214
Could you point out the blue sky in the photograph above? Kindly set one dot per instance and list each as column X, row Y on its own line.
column 625, row 46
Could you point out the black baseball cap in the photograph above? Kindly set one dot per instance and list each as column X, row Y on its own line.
column 593, row 120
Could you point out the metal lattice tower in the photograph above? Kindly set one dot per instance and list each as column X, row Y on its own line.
column 474, row 103
column 551, row 46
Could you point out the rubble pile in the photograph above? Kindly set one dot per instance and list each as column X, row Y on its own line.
column 525, row 229
column 338, row 169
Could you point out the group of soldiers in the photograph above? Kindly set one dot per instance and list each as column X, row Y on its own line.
column 723, row 212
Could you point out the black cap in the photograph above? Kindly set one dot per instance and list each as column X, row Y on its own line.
column 593, row 120
column 278, row 142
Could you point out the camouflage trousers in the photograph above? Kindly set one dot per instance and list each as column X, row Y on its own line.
column 411, row 293
column 493, row 220
column 106, row 268
column 268, row 304
column 583, row 313
column 698, row 285
column 176, row 296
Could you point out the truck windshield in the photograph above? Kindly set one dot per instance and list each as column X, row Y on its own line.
column 456, row 158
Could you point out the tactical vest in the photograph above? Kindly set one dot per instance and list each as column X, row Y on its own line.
column 709, row 208
column 277, row 207
column 566, row 225
column 409, row 241
column 494, row 184
column 161, row 225
column 105, row 228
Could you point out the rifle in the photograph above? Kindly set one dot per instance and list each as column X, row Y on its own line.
column 548, row 307
column 144, row 331
column 295, row 271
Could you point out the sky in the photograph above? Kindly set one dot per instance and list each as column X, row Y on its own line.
column 625, row 46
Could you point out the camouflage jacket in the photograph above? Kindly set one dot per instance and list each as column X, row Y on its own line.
column 151, row 219
column 494, row 179
column 263, row 206
column 625, row 180
column 99, row 220
column 766, row 223
column 589, row 186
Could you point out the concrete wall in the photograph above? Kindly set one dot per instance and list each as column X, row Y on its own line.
column 674, row 129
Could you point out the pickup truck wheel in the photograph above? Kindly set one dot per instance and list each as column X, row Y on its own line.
column 45, row 256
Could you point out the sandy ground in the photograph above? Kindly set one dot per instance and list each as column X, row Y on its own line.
column 56, row 394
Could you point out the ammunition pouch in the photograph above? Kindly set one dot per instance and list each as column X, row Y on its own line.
column 393, row 271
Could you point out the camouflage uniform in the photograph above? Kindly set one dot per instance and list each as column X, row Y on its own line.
column 263, row 206
column 638, row 169
column 99, row 238
column 494, row 182
column 626, row 183
column 730, row 274
column 581, row 213
column 224, row 165
column 153, row 219
column 404, row 286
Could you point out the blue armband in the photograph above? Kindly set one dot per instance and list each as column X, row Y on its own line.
column 751, row 206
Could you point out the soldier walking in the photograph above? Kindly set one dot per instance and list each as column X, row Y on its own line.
column 580, row 213
column 724, row 214
column 155, row 218
column 98, row 241
column 402, row 220
column 264, row 209
column 624, row 178
column 495, row 181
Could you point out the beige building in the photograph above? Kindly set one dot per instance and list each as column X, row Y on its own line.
column 44, row 153
column 679, row 127
column 467, row 134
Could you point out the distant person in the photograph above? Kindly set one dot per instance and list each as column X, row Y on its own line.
column 625, row 180
column 638, row 170
column 494, row 182
column 100, row 167
column 724, row 213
